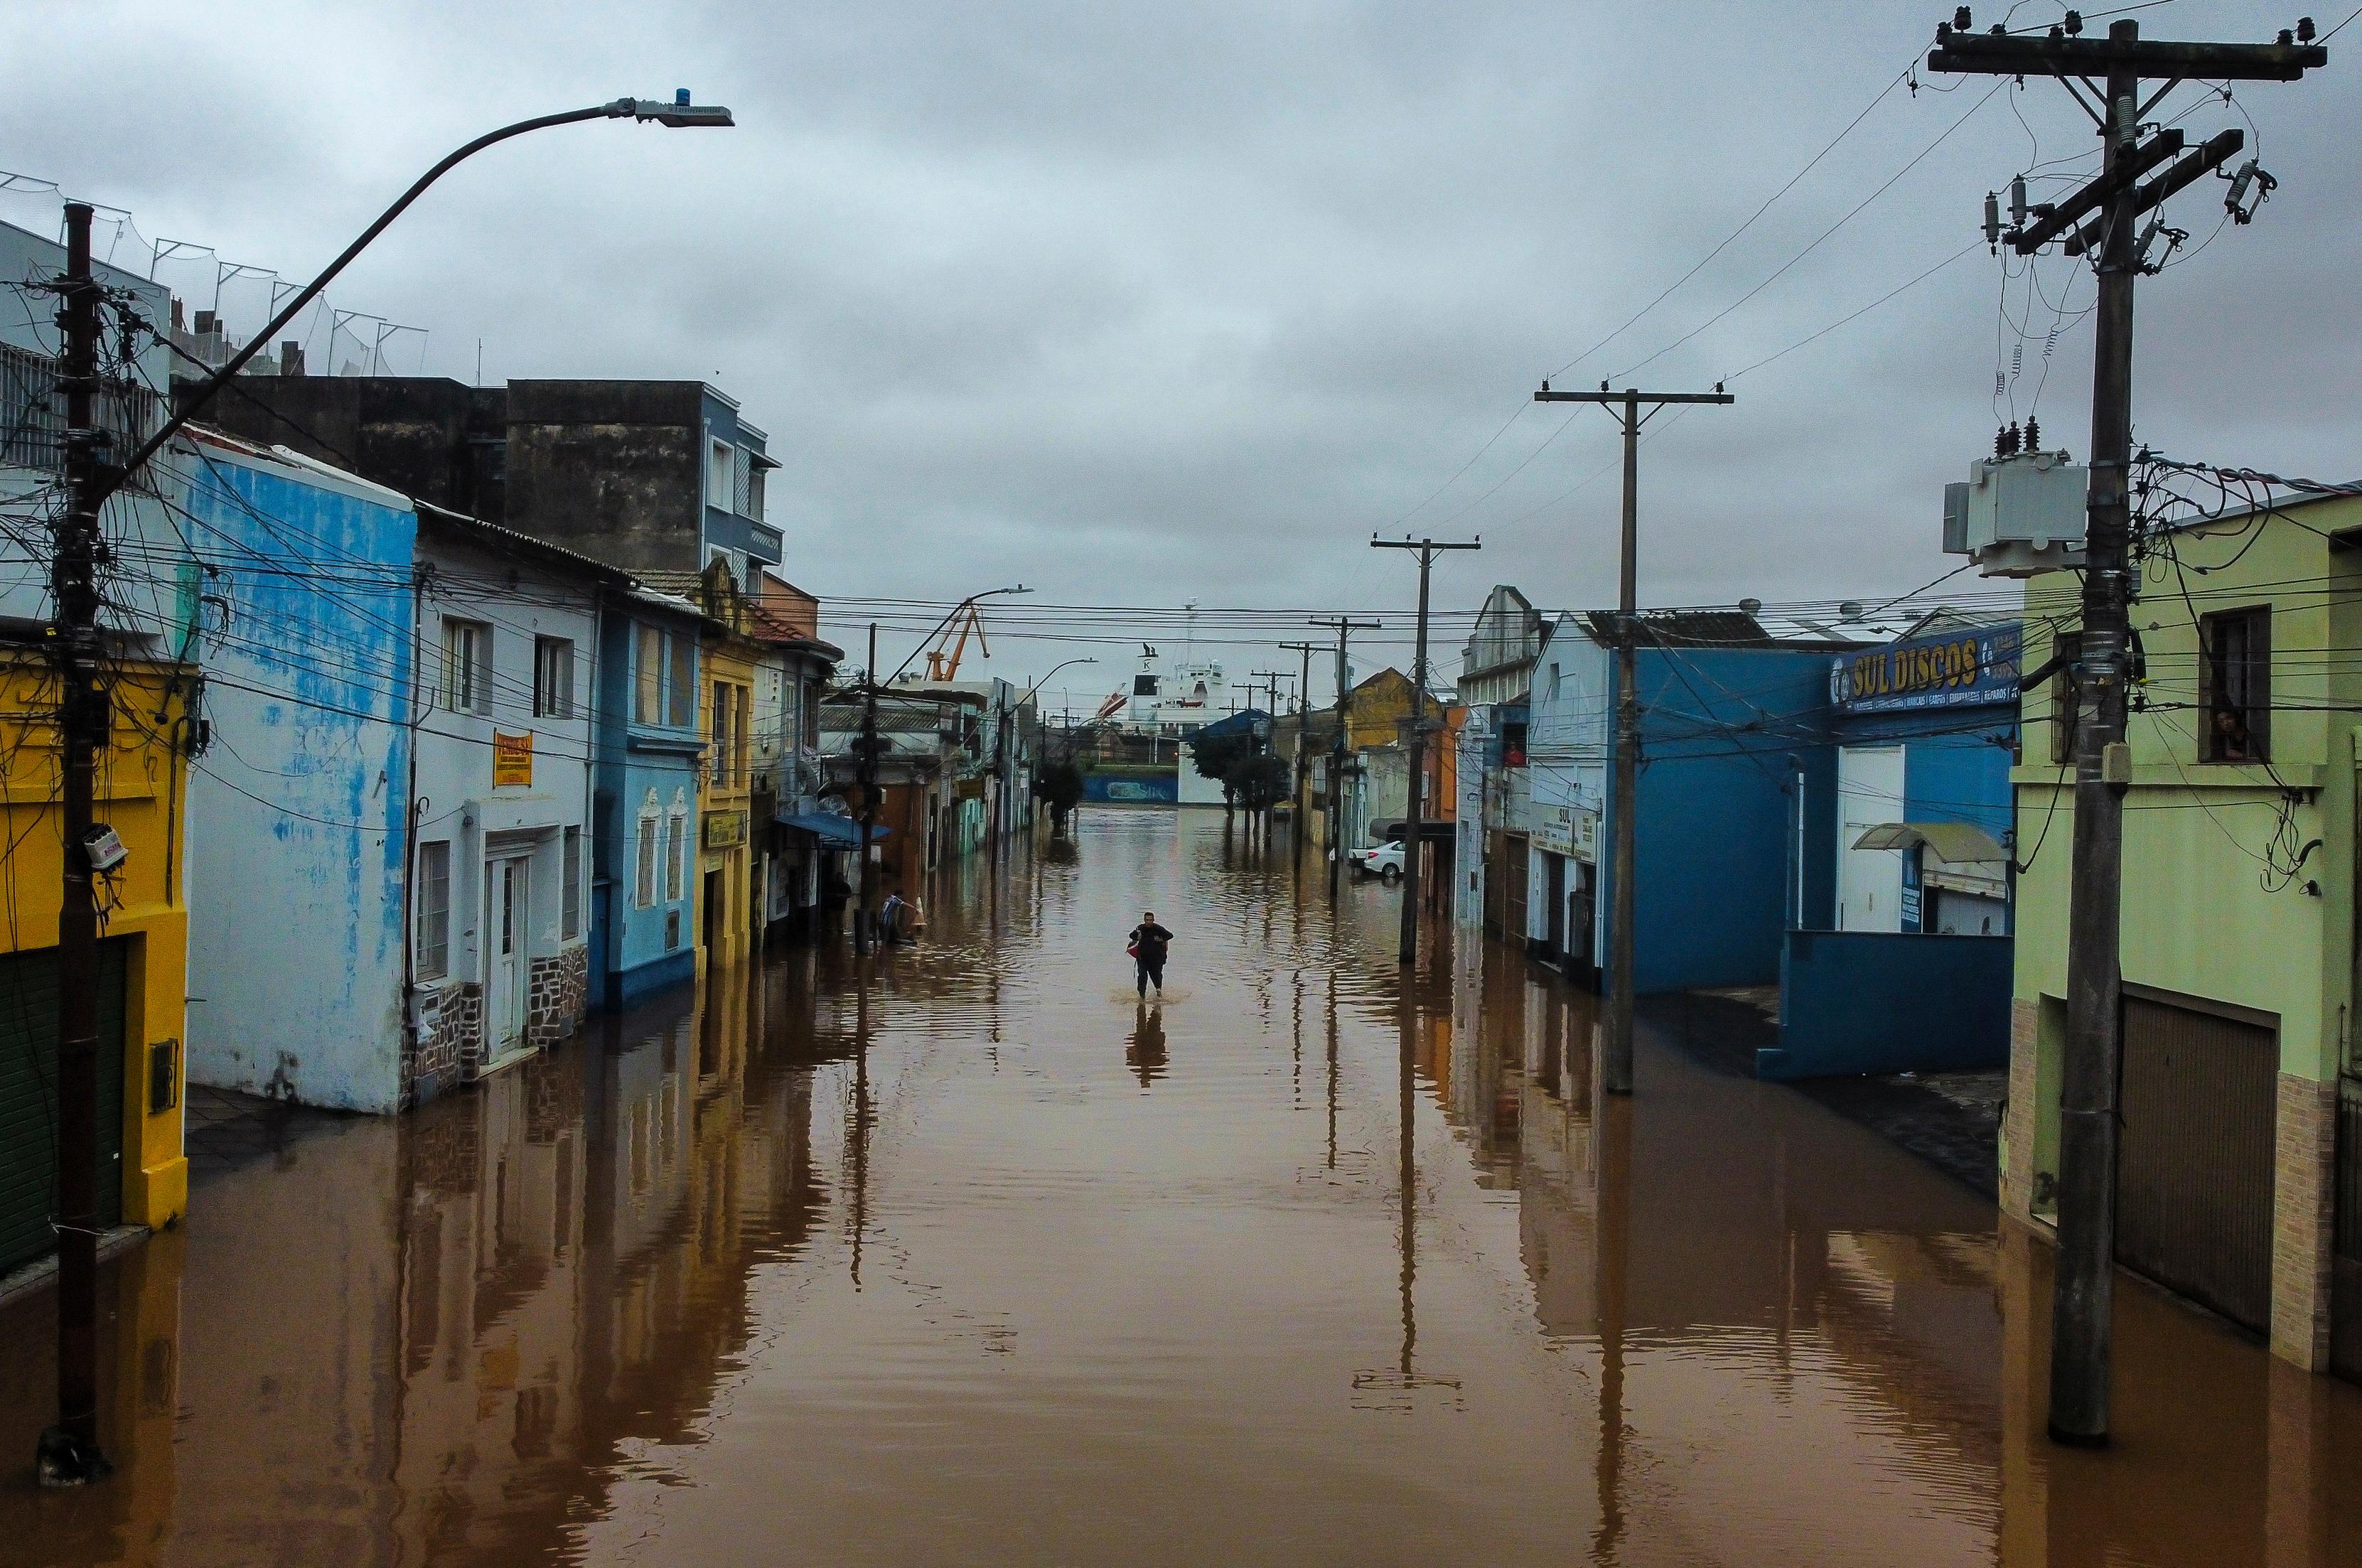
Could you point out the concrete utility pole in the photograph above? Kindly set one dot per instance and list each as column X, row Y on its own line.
column 1413, row 815
column 1334, row 814
column 868, row 898
column 1303, row 807
column 69, row 1452
column 1616, row 1054
column 2083, row 1299
column 1259, row 816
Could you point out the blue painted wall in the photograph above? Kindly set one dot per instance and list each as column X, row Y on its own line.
column 630, row 956
column 1860, row 1002
column 1132, row 789
column 298, row 838
column 1716, row 816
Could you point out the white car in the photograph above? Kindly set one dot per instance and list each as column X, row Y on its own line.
column 1382, row 860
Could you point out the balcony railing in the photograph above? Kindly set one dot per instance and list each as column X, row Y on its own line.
column 33, row 413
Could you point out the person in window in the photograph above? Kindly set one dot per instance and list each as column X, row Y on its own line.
column 1148, row 944
column 2230, row 736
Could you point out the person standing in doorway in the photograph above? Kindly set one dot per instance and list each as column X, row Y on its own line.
column 1148, row 944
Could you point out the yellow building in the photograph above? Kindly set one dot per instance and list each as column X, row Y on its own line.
column 725, row 716
column 143, row 949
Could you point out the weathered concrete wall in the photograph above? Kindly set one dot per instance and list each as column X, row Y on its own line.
column 296, row 846
column 609, row 469
column 428, row 437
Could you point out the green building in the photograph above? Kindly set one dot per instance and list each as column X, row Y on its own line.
column 2239, row 939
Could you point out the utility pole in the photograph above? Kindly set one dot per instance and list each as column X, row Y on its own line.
column 1261, row 814
column 1335, row 813
column 2083, row 1298
column 861, row 919
column 1616, row 1054
column 69, row 1454
column 1303, row 808
column 1426, row 550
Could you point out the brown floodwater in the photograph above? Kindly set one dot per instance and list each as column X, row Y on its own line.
column 980, row 1260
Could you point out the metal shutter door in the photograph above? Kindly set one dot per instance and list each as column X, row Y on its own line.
column 2194, row 1167
column 28, row 1076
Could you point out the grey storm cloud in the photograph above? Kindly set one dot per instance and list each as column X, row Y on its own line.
column 1154, row 303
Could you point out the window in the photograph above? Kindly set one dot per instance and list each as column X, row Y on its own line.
column 672, row 929
column 466, row 667
column 647, row 676
column 684, row 682
column 643, row 873
column 433, row 959
column 2235, row 685
column 553, row 678
column 755, row 494
column 721, row 479
column 676, row 857
column 1143, row 686
column 1554, row 683
column 744, row 733
column 570, row 911
column 2066, row 696
column 725, row 748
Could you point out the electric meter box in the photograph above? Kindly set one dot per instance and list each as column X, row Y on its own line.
column 2020, row 515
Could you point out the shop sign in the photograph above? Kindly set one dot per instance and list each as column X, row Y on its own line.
column 723, row 829
column 511, row 761
column 1954, row 669
column 1566, row 830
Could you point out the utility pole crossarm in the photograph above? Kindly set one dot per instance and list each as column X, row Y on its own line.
column 1603, row 395
column 1995, row 54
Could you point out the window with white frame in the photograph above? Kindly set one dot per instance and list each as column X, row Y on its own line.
column 644, row 872
column 433, row 956
column 720, row 475
column 647, row 676
column 571, row 910
column 755, row 492
column 553, row 678
column 467, row 666
column 677, row 855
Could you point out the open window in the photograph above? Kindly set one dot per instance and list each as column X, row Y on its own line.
column 2235, row 685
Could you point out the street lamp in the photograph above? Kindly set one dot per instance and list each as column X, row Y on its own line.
column 68, row 1453
column 1053, row 671
column 679, row 113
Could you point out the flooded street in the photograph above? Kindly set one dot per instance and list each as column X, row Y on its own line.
column 982, row 1261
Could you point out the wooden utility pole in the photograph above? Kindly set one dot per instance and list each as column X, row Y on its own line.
column 1333, row 813
column 2083, row 1296
column 1615, row 1055
column 1303, row 808
column 1413, row 815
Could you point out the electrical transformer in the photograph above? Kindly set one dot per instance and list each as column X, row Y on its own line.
column 2019, row 515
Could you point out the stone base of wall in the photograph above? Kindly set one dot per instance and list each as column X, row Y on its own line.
column 2304, row 1169
column 443, row 1048
column 559, row 996
column 2017, row 1122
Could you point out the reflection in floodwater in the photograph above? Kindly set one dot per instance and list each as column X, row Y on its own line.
column 899, row 1263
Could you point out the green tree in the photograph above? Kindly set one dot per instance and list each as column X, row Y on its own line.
column 1257, row 780
column 1217, row 757
column 1059, row 786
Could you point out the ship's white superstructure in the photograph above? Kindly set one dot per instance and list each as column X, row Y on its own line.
column 1173, row 696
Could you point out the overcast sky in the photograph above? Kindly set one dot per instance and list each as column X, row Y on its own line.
column 1144, row 304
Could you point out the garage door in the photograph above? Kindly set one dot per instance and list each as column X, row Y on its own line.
column 28, row 1097
column 2194, row 1166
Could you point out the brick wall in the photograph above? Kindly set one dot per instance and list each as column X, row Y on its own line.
column 2302, row 1169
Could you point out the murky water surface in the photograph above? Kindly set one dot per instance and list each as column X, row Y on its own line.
column 981, row 1261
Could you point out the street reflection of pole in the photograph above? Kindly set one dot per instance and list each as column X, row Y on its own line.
column 1332, row 1069
column 1614, row 1168
column 857, row 1130
column 1407, row 1177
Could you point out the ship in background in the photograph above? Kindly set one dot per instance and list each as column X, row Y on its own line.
column 1172, row 699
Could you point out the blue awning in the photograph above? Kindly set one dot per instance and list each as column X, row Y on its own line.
column 835, row 832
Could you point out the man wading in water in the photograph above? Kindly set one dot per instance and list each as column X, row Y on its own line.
column 1148, row 942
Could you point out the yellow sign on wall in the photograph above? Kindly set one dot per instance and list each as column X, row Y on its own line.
column 511, row 761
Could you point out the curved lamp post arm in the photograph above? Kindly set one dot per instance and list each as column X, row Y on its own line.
column 1053, row 671
column 678, row 113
